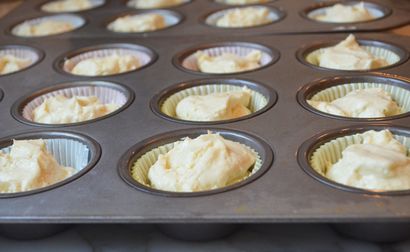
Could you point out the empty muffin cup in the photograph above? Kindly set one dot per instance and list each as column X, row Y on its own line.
column 28, row 54
column 332, row 88
column 135, row 4
column 212, row 19
column 393, row 54
column 242, row 3
column 48, row 7
column 325, row 149
column 136, row 162
column 75, row 21
column 106, row 92
column 69, row 149
column 171, row 18
column 142, row 54
column 376, row 10
column 164, row 104
column 187, row 59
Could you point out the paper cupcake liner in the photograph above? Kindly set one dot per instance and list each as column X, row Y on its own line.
column 375, row 12
column 258, row 101
column 213, row 18
column 105, row 94
column 191, row 62
column 400, row 95
column 139, row 170
column 75, row 20
column 171, row 19
column 378, row 52
column 67, row 152
column 330, row 152
column 22, row 53
column 94, row 4
column 132, row 4
column 224, row 2
column 143, row 57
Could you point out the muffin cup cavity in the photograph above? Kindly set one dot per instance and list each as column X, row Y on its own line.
column 326, row 148
column 332, row 88
column 107, row 92
column 69, row 149
column 211, row 19
column 94, row 4
column 164, row 104
column 134, row 165
column 145, row 56
column 224, row 2
column 75, row 20
column 23, row 52
column 187, row 61
column 393, row 54
column 376, row 10
column 128, row 4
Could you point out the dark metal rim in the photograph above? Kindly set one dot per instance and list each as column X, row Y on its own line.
column 266, row 91
column 306, row 150
column 37, row 51
column 309, row 90
column 280, row 13
column 93, row 146
column 1, row 94
column 181, row 56
column 305, row 13
column 302, row 53
column 38, row 7
column 18, row 106
column 59, row 62
column 135, row 152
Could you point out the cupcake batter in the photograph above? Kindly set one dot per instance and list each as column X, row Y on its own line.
column 10, row 63
column 149, row 4
column 43, row 28
column 340, row 13
column 244, row 17
column 138, row 23
column 67, row 6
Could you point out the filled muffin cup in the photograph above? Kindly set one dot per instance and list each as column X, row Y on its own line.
column 187, row 60
column 106, row 92
column 171, row 18
column 393, row 54
column 225, row 2
column 23, row 52
column 164, row 104
column 75, row 20
column 376, row 10
column 275, row 15
column 332, row 88
column 326, row 148
column 69, row 149
column 136, row 162
column 144, row 55
column 94, row 4
column 130, row 5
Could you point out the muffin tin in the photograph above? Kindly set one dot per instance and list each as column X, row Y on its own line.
column 292, row 19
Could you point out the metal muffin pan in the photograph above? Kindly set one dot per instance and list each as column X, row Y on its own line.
column 284, row 193
column 193, row 14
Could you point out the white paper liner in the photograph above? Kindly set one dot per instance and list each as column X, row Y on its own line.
column 67, row 152
column 106, row 95
column 191, row 61
column 330, row 152
column 375, row 12
column 213, row 18
column 378, row 52
column 257, row 102
column 140, row 168
column 75, row 20
column 94, row 4
column 400, row 95
column 170, row 20
column 21, row 53
column 143, row 57
column 131, row 3
column 260, row 2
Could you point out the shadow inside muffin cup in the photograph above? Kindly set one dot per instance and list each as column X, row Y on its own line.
column 69, row 149
column 136, row 162
column 106, row 92
column 22, row 52
column 212, row 18
column 145, row 56
column 75, row 20
column 187, row 60
column 164, row 103
column 315, row 154
column 171, row 18
column 332, row 88
column 245, row 4
column 376, row 10
column 128, row 3
column 94, row 4
column 393, row 54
